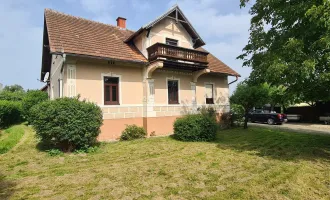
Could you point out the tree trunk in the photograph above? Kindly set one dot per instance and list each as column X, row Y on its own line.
column 246, row 118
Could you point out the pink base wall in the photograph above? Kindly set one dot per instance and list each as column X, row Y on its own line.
column 112, row 128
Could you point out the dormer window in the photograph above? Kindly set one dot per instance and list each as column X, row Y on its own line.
column 172, row 42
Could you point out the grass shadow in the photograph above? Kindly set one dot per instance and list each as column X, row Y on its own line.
column 275, row 143
column 6, row 188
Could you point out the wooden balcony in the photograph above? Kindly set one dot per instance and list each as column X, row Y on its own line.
column 160, row 50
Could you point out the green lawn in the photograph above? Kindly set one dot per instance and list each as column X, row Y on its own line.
column 10, row 137
column 253, row 164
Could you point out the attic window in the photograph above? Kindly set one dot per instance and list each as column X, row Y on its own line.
column 172, row 42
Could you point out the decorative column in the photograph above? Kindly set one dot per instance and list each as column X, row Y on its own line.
column 193, row 96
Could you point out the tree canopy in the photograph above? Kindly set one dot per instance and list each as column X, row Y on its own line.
column 289, row 45
column 249, row 96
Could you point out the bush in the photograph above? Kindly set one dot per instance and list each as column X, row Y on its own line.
column 133, row 132
column 207, row 111
column 195, row 128
column 67, row 123
column 10, row 113
column 226, row 120
column 32, row 97
column 12, row 96
column 237, row 114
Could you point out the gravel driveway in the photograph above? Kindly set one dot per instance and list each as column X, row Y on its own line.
column 298, row 127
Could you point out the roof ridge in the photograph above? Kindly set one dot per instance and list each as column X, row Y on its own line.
column 89, row 20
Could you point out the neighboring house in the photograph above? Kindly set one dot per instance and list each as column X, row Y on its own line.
column 148, row 77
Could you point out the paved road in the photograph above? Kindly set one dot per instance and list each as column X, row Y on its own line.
column 298, row 127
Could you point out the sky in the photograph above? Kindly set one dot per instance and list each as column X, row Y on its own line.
column 221, row 23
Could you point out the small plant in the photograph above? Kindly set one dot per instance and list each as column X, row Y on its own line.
column 133, row 132
column 153, row 133
column 207, row 111
column 54, row 152
column 195, row 128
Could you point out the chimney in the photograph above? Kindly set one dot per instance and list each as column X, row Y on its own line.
column 121, row 22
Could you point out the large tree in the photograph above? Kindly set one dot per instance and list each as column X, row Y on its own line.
column 289, row 45
column 249, row 95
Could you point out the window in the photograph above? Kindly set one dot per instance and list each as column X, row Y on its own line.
column 111, row 91
column 172, row 42
column 209, row 93
column 173, row 91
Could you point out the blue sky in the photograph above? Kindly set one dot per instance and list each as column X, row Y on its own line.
column 221, row 24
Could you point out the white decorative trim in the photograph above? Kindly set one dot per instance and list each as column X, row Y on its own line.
column 119, row 106
column 71, row 80
column 151, row 91
column 193, row 93
column 111, row 74
column 179, row 95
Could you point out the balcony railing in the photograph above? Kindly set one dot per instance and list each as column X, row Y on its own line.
column 176, row 53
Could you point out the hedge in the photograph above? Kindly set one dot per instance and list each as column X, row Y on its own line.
column 197, row 127
column 67, row 123
column 133, row 132
column 32, row 98
column 10, row 113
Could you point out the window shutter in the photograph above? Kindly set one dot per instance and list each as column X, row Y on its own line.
column 209, row 90
column 71, row 81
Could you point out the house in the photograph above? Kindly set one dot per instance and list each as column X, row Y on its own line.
column 148, row 77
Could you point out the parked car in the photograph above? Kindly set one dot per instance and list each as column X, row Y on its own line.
column 266, row 116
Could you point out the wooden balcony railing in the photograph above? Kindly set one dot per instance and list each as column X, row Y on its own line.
column 176, row 53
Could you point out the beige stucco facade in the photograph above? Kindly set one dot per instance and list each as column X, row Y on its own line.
column 143, row 92
column 137, row 104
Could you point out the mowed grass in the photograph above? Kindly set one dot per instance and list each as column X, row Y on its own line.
column 10, row 137
column 252, row 164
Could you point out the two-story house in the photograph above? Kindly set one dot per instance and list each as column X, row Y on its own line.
column 148, row 77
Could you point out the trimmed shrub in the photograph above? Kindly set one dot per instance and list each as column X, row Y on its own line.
column 10, row 113
column 195, row 128
column 32, row 98
column 133, row 132
column 67, row 123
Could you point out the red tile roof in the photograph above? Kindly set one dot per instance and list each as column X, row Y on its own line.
column 75, row 35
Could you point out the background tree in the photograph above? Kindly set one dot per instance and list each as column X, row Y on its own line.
column 12, row 93
column 249, row 96
column 289, row 45
column 13, row 88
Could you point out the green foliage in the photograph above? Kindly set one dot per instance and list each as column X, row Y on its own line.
column 32, row 98
column 67, row 123
column 195, row 128
column 133, row 132
column 295, row 50
column 10, row 113
column 237, row 112
column 13, row 88
column 10, row 137
column 248, row 96
column 12, row 96
column 207, row 111
column 54, row 152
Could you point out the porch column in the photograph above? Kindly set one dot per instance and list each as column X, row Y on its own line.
column 193, row 94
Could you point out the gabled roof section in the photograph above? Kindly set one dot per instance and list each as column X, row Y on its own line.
column 174, row 13
column 75, row 35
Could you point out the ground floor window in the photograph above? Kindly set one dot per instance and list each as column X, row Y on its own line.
column 209, row 94
column 111, row 91
column 173, row 91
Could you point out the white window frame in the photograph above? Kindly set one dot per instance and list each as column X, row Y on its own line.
column 214, row 98
column 179, row 90
column 102, row 89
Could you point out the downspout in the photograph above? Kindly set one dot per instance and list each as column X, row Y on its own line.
column 61, row 75
column 233, row 81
